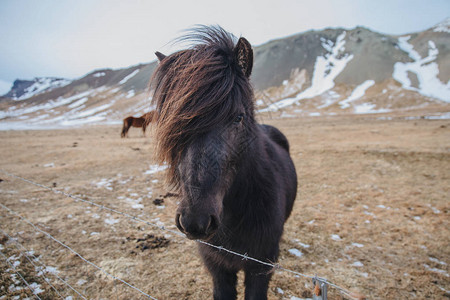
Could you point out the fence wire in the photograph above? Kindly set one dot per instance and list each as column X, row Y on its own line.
column 244, row 256
column 17, row 272
column 28, row 254
column 74, row 252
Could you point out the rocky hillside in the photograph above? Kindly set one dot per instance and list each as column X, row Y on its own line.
column 24, row 89
column 356, row 70
column 327, row 72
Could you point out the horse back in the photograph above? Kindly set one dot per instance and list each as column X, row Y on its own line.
column 285, row 166
column 276, row 135
column 128, row 121
column 138, row 122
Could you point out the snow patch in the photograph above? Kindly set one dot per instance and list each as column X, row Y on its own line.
column 443, row 26
column 78, row 103
column 99, row 74
column 369, row 108
column 435, row 210
column 335, row 237
column 435, row 260
column 41, row 85
column 48, row 106
column 331, row 97
column 36, row 288
column 436, row 270
column 111, row 221
column 130, row 94
column 129, row 76
column 81, row 282
column 444, row 116
column 105, row 183
column 426, row 70
column 47, row 269
column 302, row 244
column 326, row 69
column 357, row 93
column 91, row 111
column 357, row 264
column 135, row 203
column 155, row 169
column 295, row 252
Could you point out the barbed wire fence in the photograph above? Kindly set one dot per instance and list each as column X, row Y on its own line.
column 18, row 274
column 42, row 268
column 320, row 284
column 74, row 252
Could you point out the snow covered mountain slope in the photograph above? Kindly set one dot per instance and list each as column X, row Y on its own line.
column 24, row 89
column 327, row 72
column 360, row 71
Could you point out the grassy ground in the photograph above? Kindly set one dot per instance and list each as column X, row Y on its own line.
column 371, row 215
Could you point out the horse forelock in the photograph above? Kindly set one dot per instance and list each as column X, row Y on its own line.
column 195, row 90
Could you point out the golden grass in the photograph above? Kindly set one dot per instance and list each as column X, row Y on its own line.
column 381, row 186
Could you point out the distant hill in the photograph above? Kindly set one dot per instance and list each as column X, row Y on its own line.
column 326, row 72
column 24, row 89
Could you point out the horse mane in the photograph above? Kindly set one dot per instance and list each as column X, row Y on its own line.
column 196, row 90
column 149, row 117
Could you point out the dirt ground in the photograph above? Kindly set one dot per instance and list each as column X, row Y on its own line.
column 371, row 214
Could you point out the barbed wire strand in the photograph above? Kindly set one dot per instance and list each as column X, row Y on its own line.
column 28, row 254
column 164, row 228
column 134, row 218
column 76, row 253
column 36, row 267
column 23, row 279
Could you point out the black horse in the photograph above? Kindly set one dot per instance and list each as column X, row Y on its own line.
column 236, row 180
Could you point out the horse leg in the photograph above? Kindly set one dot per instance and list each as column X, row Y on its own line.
column 224, row 282
column 256, row 285
column 125, row 128
column 224, row 279
column 144, row 126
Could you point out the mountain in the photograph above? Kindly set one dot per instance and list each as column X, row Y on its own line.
column 326, row 72
column 357, row 70
column 24, row 89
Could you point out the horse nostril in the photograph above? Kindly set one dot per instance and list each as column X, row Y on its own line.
column 196, row 227
column 213, row 224
column 178, row 223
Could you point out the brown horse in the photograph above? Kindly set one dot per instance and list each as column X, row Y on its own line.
column 236, row 180
column 143, row 121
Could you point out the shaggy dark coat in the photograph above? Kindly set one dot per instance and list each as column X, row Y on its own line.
column 236, row 180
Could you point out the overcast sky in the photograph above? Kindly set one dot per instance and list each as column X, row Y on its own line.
column 63, row 38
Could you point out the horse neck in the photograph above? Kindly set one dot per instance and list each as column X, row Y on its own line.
column 252, row 177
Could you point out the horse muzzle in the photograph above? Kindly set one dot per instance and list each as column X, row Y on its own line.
column 197, row 227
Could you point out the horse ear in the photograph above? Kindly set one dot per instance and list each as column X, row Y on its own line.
column 160, row 56
column 244, row 55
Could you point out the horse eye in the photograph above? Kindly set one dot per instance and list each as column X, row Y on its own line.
column 239, row 119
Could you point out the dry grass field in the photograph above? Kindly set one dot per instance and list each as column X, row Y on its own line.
column 371, row 214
